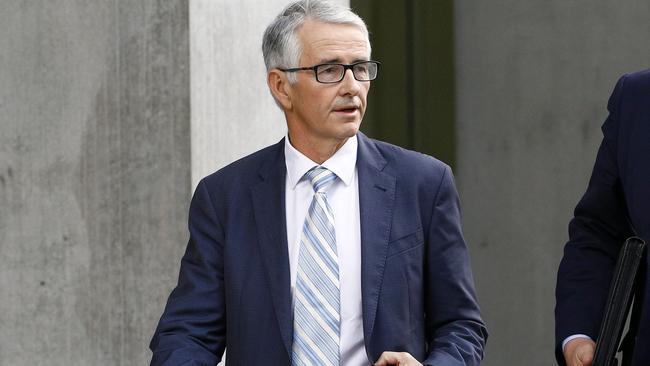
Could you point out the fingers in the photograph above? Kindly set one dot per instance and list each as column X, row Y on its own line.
column 579, row 352
column 397, row 359
column 585, row 354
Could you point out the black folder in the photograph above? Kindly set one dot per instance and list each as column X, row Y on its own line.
column 618, row 302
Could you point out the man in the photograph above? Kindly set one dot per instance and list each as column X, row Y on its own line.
column 614, row 207
column 327, row 248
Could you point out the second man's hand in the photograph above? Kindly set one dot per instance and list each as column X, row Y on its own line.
column 397, row 359
column 579, row 352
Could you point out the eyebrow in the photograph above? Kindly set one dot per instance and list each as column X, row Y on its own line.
column 338, row 60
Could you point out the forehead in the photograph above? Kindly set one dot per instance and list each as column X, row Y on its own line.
column 329, row 42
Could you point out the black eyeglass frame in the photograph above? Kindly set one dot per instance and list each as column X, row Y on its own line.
column 346, row 67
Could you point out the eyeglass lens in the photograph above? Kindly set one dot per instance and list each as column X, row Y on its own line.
column 364, row 71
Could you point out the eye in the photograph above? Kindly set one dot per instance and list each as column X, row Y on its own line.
column 328, row 69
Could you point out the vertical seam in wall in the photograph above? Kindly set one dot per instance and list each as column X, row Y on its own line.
column 118, row 240
column 410, row 84
column 452, row 63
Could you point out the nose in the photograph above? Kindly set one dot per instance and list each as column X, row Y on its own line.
column 349, row 85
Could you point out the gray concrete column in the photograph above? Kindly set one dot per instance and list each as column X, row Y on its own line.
column 533, row 78
column 94, row 176
column 233, row 112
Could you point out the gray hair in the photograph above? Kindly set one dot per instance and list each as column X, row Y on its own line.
column 280, row 45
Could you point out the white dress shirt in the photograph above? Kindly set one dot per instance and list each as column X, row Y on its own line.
column 343, row 197
column 572, row 337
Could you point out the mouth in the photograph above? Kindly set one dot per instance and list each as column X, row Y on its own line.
column 347, row 110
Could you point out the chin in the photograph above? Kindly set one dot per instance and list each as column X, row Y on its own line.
column 350, row 130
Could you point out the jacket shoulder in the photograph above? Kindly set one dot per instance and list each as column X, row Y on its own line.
column 410, row 163
column 245, row 169
column 640, row 78
column 633, row 88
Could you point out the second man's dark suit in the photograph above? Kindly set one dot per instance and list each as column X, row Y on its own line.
column 615, row 206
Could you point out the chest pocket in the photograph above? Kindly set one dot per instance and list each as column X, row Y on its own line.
column 405, row 243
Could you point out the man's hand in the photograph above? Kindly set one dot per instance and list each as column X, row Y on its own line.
column 579, row 352
column 397, row 359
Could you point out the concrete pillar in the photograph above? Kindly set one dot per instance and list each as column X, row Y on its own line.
column 233, row 112
column 532, row 84
column 94, row 176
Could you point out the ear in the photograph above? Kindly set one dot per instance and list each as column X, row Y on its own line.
column 280, row 87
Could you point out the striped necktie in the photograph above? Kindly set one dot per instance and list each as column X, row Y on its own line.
column 316, row 325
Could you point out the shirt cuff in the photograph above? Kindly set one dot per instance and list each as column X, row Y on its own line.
column 567, row 339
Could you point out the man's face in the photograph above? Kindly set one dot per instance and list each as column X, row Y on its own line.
column 328, row 112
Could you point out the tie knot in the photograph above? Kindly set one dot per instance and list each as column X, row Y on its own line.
column 320, row 178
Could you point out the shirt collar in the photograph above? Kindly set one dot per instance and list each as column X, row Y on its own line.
column 342, row 163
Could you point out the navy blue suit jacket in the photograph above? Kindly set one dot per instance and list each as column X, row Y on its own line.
column 615, row 206
column 234, row 289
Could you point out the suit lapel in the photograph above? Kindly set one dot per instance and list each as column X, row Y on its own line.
column 376, row 198
column 269, row 207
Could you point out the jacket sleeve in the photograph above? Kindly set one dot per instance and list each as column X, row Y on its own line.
column 456, row 334
column 599, row 227
column 192, row 329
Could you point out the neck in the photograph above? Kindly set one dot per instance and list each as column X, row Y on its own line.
column 316, row 150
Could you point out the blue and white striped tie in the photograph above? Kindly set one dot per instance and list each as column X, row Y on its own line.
column 316, row 325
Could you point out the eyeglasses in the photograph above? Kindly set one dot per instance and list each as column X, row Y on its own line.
column 330, row 73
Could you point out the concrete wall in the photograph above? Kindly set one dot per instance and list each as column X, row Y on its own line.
column 94, row 176
column 533, row 78
column 99, row 155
